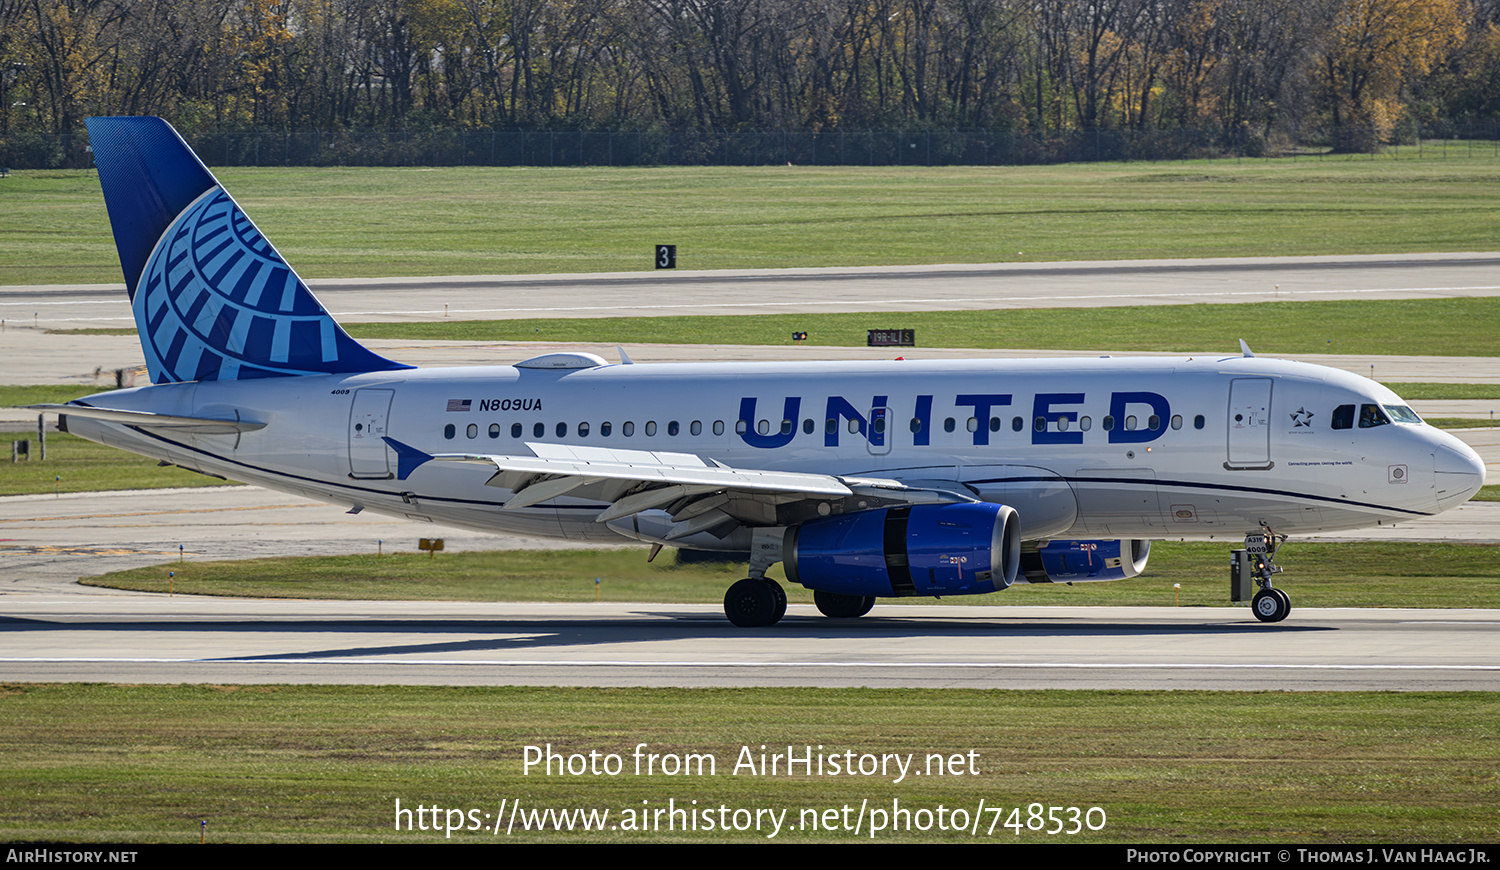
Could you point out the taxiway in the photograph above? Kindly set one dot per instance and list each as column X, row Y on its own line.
column 58, row 630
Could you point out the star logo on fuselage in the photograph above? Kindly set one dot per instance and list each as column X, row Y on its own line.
column 1302, row 417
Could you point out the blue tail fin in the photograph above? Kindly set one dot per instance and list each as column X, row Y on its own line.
column 213, row 300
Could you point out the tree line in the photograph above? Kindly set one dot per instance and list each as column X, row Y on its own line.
column 1251, row 70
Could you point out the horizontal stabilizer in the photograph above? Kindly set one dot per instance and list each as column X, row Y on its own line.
column 149, row 420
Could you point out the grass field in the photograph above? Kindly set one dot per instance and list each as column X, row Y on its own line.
column 12, row 396
column 321, row 764
column 76, row 465
column 1320, row 575
column 1424, row 327
column 380, row 221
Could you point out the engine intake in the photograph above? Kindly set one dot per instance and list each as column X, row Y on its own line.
column 952, row 549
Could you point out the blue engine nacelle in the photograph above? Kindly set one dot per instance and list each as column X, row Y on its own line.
column 952, row 549
column 1079, row 561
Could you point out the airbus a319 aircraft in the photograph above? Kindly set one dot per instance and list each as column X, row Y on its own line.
column 866, row 479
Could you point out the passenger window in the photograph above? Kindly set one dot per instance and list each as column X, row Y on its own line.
column 515, row 430
column 539, row 430
column 1343, row 417
column 604, row 429
column 718, row 427
column 697, row 427
column 494, row 430
column 672, row 427
column 449, row 431
column 583, row 430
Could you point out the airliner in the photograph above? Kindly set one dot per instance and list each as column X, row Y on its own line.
column 865, row 480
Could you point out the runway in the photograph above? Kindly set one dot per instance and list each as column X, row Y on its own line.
column 987, row 286
column 185, row 639
column 57, row 630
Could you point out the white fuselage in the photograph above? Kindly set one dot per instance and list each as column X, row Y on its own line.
column 1099, row 448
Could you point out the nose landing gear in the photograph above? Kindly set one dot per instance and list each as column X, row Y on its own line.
column 1269, row 604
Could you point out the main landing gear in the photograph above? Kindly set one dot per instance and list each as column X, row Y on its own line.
column 758, row 600
column 755, row 602
column 1269, row 604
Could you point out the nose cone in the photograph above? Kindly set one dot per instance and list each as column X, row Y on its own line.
column 1459, row 472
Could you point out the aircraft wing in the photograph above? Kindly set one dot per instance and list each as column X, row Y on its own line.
column 149, row 420
column 699, row 493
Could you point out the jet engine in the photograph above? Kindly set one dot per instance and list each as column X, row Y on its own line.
column 1079, row 561
column 951, row 549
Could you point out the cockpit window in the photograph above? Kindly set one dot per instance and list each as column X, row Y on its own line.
column 1402, row 414
column 1343, row 417
column 1371, row 416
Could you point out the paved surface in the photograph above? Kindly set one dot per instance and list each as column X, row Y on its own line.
column 879, row 288
column 55, row 629
column 148, row 639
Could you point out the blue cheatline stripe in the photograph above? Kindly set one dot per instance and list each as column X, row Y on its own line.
column 1220, row 487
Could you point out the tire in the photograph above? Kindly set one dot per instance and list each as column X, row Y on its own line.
column 752, row 604
column 1271, row 605
column 839, row 606
column 779, row 595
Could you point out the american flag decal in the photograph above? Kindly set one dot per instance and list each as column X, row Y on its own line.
column 459, row 404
